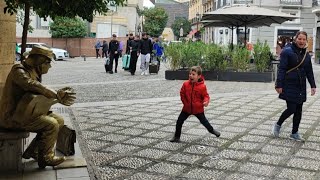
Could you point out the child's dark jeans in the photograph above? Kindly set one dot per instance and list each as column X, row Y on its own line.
column 183, row 116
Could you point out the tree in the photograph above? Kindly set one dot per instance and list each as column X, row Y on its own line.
column 70, row 8
column 155, row 20
column 181, row 22
column 64, row 27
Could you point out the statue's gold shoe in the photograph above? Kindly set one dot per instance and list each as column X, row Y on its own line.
column 51, row 161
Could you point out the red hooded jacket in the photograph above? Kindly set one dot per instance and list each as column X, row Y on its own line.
column 192, row 95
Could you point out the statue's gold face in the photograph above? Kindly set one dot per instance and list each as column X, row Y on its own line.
column 45, row 67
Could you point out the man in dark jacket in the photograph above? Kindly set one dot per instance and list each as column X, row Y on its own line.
column 113, row 53
column 105, row 49
column 131, row 38
column 295, row 67
column 145, row 50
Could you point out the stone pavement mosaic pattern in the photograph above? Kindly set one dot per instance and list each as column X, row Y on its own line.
column 131, row 141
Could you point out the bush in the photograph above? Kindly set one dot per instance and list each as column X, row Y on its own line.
column 240, row 58
column 261, row 56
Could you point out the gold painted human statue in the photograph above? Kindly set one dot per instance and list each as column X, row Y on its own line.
column 25, row 105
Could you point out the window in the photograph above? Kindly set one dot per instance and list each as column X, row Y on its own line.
column 293, row 12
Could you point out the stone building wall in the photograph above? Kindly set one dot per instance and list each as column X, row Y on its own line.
column 7, row 44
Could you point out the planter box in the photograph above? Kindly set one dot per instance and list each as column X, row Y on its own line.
column 245, row 76
column 222, row 76
column 184, row 75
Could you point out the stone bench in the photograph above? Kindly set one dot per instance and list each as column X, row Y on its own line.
column 12, row 145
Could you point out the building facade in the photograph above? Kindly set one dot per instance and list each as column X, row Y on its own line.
column 275, row 34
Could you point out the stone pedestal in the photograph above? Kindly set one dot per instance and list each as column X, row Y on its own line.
column 7, row 44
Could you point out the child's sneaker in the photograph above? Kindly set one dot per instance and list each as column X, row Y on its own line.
column 217, row 133
column 175, row 139
column 276, row 130
column 296, row 137
column 142, row 73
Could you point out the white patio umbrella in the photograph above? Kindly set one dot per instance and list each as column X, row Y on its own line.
column 247, row 16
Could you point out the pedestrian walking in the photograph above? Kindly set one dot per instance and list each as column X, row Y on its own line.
column 113, row 53
column 134, row 46
column 105, row 48
column 97, row 46
column 295, row 67
column 194, row 97
column 145, row 51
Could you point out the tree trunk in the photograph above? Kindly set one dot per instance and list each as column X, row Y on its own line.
column 25, row 28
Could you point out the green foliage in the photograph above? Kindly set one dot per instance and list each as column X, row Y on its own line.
column 240, row 58
column 71, row 8
column 64, row 27
column 155, row 20
column 261, row 55
column 192, row 53
column 174, row 55
column 181, row 22
column 214, row 58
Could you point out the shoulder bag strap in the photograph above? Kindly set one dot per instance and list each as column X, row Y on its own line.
column 304, row 57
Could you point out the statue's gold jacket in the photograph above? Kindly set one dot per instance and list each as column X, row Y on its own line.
column 20, row 81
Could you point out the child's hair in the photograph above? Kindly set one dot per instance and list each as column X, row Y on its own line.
column 196, row 69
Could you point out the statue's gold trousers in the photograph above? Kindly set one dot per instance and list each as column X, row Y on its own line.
column 47, row 129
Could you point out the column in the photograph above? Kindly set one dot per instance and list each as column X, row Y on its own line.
column 7, row 44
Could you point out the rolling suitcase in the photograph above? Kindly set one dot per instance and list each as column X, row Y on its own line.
column 107, row 65
column 154, row 67
column 125, row 61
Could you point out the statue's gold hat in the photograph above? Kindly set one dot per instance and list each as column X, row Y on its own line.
column 39, row 50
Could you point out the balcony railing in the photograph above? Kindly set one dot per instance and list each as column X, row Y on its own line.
column 242, row 1
column 316, row 3
column 291, row 2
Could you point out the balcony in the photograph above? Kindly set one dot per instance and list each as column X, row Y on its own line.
column 224, row 3
column 316, row 7
column 242, row 1
column 290, row 2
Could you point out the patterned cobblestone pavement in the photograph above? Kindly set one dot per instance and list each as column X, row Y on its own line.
column 124, row 123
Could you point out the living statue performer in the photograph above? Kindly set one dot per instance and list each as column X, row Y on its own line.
column 25, row 105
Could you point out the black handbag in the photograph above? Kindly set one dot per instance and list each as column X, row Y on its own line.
column 66, row 140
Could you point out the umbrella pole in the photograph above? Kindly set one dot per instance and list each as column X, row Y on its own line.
column 232, row 28
column 245, row 35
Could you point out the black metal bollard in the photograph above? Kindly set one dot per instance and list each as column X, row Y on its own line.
column 84, row 57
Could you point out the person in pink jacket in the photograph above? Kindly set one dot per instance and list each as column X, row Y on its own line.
column 194, row 97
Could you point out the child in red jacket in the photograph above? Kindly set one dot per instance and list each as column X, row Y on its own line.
column 194, row 97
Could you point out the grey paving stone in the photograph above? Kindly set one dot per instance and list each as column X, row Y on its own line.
column 118, row 117
column 146, row 176
column 267, row 159
column 200, row 173
column 91, row 134
column 257, row 169
column 314, row 139
column 232, row 154
column 189, row 138
column 147, row 126
column 84, row 126
column 152, row 153
column 131, row 162
column 311, row 145
column 253, row 138
column 184, row 158
column 270, row 149
column 72, row 173
column 120, row 148
column 260, row 132
column 293, row 174
column 235, row 129
column 228, row 135
column 114, row 137
column 198, row 149
column 168, row 128
column 244, row 145
column 166, row 145
column 107, row 173
column 102, row 121
column 138, row 118
column 242, row 176
column 223, row 164
column 141, row 141
column 107, row 129
column 101, row 158
column 243, row 124
column 228, row 118
column 304, row 163
column 162, row 121
column 157, row 134
column 283, row 142
column 96, row 144
column 211, row 141
column 315, row 155
column 196, row 131
column 167, row 168
column 131, row 131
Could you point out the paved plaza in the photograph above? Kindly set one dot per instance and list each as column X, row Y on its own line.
column 124, row 123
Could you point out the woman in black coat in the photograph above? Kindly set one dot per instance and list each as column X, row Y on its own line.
column 295, row 67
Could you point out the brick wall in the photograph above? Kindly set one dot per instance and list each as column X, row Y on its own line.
column 75, row 46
